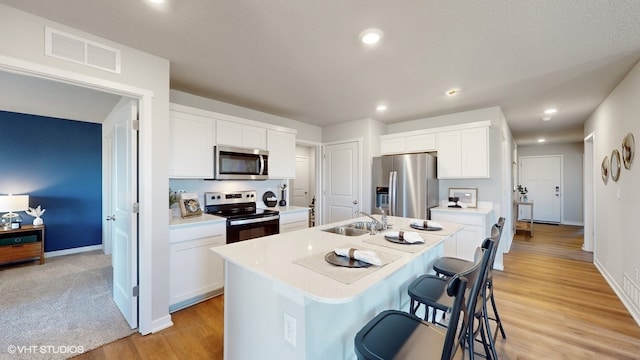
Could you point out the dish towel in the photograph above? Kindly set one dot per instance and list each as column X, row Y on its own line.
column 408, row 236
column 367, row 256
column 424, row 223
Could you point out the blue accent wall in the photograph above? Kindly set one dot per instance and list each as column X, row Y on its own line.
column 58, row 163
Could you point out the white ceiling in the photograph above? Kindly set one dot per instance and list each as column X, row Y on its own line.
column 301, row 59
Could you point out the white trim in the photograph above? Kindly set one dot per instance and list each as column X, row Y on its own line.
column 161, row 324
column 78, row 250
column 616, row 289
column 145, row 97
column 319, row 151
column 573, row 223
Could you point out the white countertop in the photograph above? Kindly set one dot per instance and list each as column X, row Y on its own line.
column 288, row 208
column 204, row 218
column 481, row 210
column 273, row 256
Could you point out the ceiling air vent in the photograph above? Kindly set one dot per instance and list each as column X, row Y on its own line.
column 69, row 47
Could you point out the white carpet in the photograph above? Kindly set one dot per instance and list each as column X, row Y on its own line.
column 59, row 309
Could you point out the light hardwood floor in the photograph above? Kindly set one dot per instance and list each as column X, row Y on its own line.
column 553, row 302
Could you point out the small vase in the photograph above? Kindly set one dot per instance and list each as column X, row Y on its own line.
column 38, row 221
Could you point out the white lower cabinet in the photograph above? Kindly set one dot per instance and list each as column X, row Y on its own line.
column 195, row 272
column 476, row 227
column 293, row 220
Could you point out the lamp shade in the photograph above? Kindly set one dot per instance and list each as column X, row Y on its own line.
column 14, row 202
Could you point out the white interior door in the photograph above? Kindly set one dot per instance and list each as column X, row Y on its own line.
column 124, row 220
column 301, row 182
column 342, row 181
column 107, row 208
column 542, row 176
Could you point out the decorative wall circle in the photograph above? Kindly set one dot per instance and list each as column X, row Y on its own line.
column 604, row 168
column 615, row 165
column 628, row 149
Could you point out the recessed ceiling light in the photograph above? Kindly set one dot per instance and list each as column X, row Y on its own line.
column 541, row 140
column 370, row 36
column 381, row 107
column 453, row 92
column 550, row 111
column 156, row 1
column 546, row 118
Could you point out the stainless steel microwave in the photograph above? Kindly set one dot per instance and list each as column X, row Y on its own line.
column 233, row 163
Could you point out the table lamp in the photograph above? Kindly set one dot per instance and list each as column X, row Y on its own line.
column 10, row 203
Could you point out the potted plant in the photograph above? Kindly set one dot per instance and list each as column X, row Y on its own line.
column 523, row 193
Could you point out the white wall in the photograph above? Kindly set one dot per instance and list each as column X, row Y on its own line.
column 572, row 171
column 22, row 39
column 617, row 249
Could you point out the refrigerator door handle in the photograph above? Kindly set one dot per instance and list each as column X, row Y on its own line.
column 392, row 193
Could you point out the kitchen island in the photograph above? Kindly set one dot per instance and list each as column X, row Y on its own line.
column 283, row 301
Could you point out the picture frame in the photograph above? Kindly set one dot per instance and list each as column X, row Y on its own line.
column 189, row 205
column 468, row 196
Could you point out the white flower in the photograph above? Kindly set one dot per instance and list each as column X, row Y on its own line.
column 36, row 213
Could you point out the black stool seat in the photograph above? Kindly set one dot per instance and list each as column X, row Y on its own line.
column 395, row 334
column 449, row 266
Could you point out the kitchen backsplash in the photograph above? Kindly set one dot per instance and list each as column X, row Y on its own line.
column 202, row 186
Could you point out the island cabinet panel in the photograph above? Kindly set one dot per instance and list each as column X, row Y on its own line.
column 292, row 221
column 195, row 272
column 190, row 146
column 282, row 154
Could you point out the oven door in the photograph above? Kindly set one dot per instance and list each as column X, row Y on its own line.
column 245, row 229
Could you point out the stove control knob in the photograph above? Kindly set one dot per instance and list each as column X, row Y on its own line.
column 218, row 197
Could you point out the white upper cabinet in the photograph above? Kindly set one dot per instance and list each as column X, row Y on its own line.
column 282, row 154
column 407, row 143
column 463, row 154
column 463, row 149
column 190, row 146
column 242, row 135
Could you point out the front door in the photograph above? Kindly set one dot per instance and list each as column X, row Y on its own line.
column 124, row 220
column 542, row 175
column 342, row 181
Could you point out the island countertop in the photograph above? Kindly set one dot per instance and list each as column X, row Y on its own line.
column 273, row 257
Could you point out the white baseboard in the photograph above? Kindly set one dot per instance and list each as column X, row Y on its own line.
column 161, row 324
column 77, row 250
column 619, row 291
column 573, row 223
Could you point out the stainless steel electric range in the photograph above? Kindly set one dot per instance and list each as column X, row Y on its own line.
column 244, row 220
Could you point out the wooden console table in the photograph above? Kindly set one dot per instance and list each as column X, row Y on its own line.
column 524, row 224
column 14, row 249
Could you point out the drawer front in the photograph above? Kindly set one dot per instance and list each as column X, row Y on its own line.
column 17, row 240
column 18, row 252
column 197, row 232
column 291, row 217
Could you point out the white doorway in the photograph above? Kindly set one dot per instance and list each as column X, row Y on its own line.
column 342, row 176
column 542, row 176
column 142, row 265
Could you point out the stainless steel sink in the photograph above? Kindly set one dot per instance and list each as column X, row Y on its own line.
column 346, row 230
column 365, row 225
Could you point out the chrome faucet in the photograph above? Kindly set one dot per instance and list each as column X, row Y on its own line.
column 385, row 225
column 375, row 224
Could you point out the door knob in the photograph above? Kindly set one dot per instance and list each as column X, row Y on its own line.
column 355, row 202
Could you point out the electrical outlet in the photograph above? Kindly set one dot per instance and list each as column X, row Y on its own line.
column 290, row 329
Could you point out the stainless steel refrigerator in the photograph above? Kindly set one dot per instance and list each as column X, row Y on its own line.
column 405, row 185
